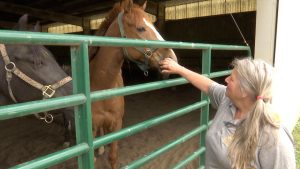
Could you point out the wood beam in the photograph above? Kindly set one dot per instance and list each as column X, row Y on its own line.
column 39, row 2
column 91, row 8
column 181, row 2
column 43, row 14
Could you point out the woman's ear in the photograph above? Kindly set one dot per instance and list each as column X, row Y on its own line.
column 246, row 93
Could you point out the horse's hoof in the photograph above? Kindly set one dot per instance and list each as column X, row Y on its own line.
column 101, row 150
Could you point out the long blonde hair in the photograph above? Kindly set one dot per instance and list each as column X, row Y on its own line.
column 255, row 78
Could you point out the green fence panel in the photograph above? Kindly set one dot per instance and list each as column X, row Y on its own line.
column 82, row 97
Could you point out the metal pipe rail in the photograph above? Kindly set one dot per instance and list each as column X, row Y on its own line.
column 190, row 158
column 55, row 158
column 24, row 109
column 71, row 40
column 82, row 97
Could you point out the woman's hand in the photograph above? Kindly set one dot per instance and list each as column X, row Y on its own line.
column 169, row 66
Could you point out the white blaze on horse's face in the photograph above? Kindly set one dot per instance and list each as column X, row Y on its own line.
column 153, row 29
column 171, row 53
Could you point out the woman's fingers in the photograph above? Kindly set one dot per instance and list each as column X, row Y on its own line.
column 164, row 64
column 168, row 65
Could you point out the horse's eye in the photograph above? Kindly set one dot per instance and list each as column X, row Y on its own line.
column 141, row 29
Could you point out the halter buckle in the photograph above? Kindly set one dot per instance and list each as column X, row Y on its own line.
column 146, row 73
column 148, row 52
column 48, row 118
column 10, row 67
column 48, row 91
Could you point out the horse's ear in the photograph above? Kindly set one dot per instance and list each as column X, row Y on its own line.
column 37, row 27
column 145, row 5
column 141, row 3
column 126, row 5
column 22, row 24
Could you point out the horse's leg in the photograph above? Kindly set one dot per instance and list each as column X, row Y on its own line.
column 113, row 155
column 101, row 150
column 95, row 135
column 69, row 126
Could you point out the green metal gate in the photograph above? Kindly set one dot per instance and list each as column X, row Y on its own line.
column 82, row 98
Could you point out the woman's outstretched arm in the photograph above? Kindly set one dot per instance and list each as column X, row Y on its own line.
column 171, row 67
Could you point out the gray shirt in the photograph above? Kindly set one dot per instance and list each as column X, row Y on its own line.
column 220, row 133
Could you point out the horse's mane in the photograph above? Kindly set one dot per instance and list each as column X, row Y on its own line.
column 111, row 16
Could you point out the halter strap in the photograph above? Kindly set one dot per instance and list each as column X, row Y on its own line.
column 47, row 90
column 144, row 66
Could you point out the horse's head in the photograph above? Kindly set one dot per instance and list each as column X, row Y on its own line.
column 34, row 55
column 30, row 72
column 37, row 63
column 133, row 22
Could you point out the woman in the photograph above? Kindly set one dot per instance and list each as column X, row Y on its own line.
column 245, row 133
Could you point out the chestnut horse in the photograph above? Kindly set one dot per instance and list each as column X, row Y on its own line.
column 129, row 20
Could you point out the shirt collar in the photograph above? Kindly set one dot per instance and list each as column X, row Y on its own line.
column 232, row 121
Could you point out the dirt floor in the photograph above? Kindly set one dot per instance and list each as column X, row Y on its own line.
column 24, row 139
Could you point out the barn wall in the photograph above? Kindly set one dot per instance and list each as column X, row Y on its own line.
column 214, row 29
column 287, row 93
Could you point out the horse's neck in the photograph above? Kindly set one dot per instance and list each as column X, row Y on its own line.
column 105, row 68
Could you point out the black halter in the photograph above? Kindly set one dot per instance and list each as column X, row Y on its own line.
column 148, row 52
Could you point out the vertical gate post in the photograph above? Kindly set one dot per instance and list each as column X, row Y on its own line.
column 83, row 117
column 206, row 66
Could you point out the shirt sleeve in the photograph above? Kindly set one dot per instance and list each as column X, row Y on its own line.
column 216, row 93
column 279, row 155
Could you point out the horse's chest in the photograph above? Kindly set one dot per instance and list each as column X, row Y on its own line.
column 110, row 108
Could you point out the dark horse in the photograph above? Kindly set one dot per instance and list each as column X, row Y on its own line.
column 126, row 19
column 41, row 72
